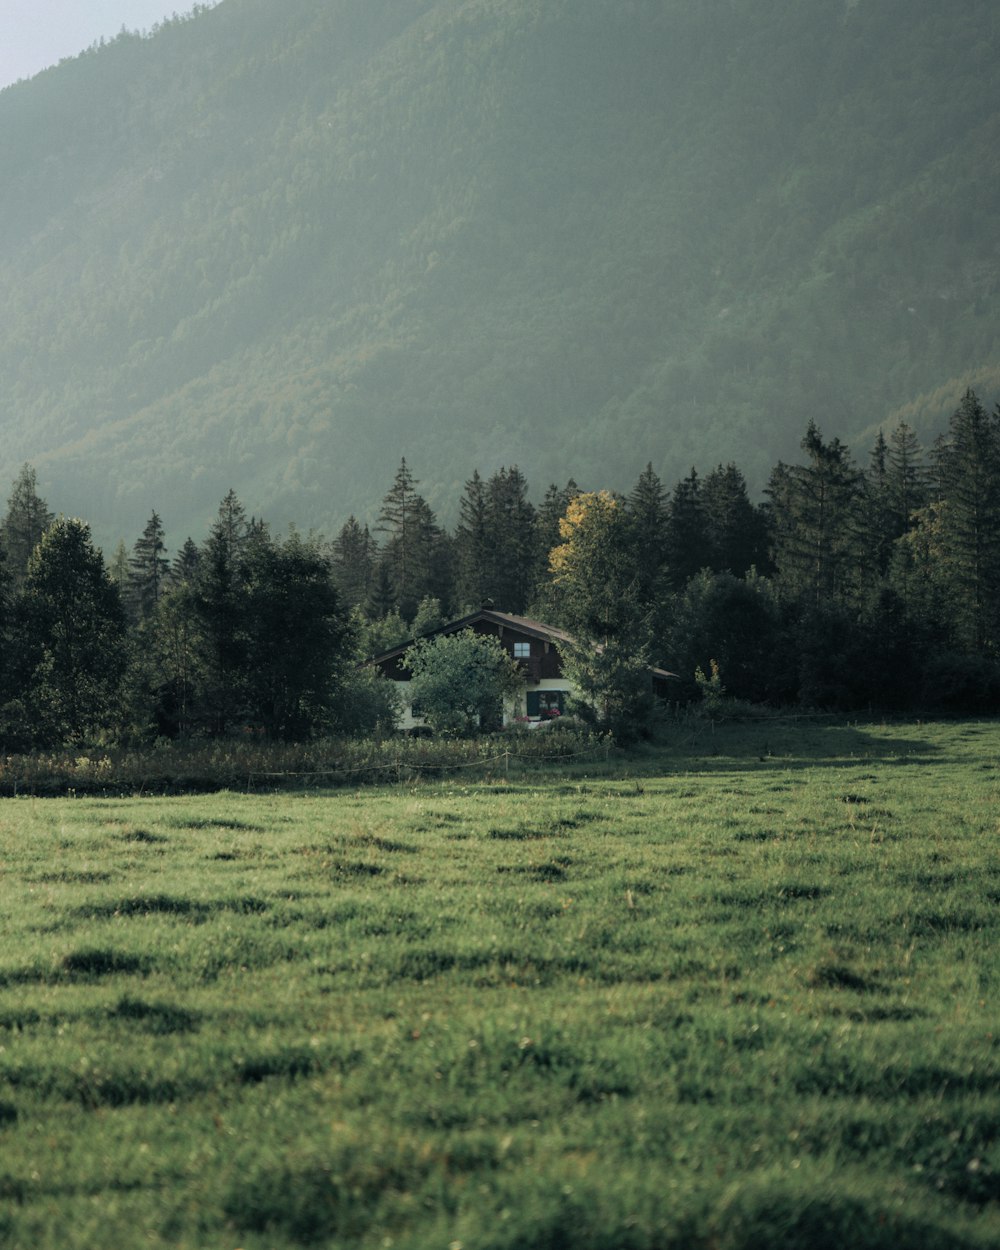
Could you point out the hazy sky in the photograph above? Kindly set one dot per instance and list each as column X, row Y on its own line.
column 38, row 33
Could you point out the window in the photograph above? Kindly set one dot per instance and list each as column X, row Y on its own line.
column 544, row 704
column 522, row 650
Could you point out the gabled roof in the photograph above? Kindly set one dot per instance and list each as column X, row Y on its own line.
column 520, row 624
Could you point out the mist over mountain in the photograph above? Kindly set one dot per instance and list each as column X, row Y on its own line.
column 277, row 246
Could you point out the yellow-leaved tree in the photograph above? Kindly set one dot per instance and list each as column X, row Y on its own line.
column 608, row 659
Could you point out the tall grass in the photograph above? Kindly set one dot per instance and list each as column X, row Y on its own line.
column 254, row 765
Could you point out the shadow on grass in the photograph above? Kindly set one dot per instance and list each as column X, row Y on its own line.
column 784, row 746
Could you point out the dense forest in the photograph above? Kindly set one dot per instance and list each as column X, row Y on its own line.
column 873, row 586
column 271, row 242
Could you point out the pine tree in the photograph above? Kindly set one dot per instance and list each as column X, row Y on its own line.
column 648, row 514
column 876, row 514
column 472, row 539
column 735, row 532
column 687, row 541
column 186, row 561
column 355, row 553
column 431, row 567
column 70, row 650
column 149, row 568
column 26, row 521
column 907, row 481
column 381, row 595
column 220, row 602
column 409, row 525
column 510, row 520
column 815, row 528
column 967, row 464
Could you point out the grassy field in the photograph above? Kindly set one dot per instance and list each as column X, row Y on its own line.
column 735, row 994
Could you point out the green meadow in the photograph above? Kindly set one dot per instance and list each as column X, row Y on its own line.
column 735, row 993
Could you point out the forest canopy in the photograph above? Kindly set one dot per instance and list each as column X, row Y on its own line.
column 851, row 586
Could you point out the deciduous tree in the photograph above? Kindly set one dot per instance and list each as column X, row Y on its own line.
column 460, row 681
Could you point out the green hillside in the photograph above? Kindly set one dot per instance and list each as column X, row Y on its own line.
column 276, row 247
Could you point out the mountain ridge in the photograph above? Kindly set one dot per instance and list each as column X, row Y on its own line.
column 276, row 250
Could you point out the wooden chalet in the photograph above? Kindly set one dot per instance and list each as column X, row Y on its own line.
column 533, row 645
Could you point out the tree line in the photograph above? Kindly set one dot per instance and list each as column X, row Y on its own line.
column 845, row 587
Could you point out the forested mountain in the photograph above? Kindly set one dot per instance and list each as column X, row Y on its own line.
column 277, row 246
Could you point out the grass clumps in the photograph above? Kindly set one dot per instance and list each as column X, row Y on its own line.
column 599, row 1017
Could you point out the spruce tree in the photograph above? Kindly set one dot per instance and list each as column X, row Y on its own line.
column 220, row 602
column 511, row 540
column 70, row 650
column 876, row 513
column 149, row 568
column 647, row 515
column 907, row 480
column 472, row 540
column 412, row 536
column 185, row 565
column 814, row 511
column 967, row 465
column 687, row 539
column 354, row 556
column 734, row 529
column 27, row 519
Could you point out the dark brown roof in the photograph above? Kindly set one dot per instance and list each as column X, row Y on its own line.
column 522, row 624
column 534, row 629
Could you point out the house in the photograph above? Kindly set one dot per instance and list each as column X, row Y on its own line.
column 534, row 647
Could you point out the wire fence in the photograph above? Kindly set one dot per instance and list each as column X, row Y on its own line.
column 395, row 769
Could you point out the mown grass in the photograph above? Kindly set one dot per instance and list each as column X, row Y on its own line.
column 739, row 992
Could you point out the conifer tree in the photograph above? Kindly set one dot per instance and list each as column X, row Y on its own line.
column 70, row 652
column 510, row 549
column 648, row 515
column 220, row 601
column 415, row 552
column 967, row 464
column 185, row 564
column 381, row 595
column 472, row 540
column 149, row 568
column 27, row 519
column 907, row 480
column 432, row 561
column 876, row 514
column 735, row 532
column 815, row 528
column 687, row 542
column 354, row 557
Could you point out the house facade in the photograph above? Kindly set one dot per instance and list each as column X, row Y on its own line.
column 535, row 649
